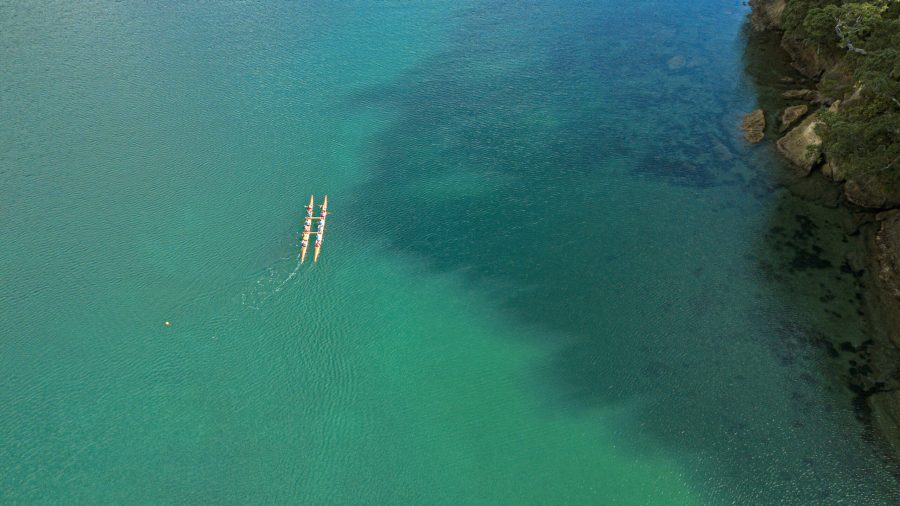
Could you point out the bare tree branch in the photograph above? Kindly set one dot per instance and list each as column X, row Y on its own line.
column 845, row 39
column 892, row 162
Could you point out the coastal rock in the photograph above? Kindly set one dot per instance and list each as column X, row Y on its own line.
column 885, row 408
column 873, row 190
column 885, row 215
column 838, row 80
column 675, row 62
column 860, row 192
column 803, row 94
column 868, row 191
column 766, row 14
column 828, row 171
column 802, row 145
column 887, row 263
column 819, row 99
column 791, row 115
column 833, row 171
column 754, row 126
column 855, row 98
column 858, row 220
column 887, row 241
column 856, row 261
column 804, row 57
column 815, row 189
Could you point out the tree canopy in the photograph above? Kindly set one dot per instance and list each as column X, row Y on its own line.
column 863, row 36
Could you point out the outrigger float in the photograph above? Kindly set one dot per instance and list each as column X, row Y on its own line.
column 307, row 227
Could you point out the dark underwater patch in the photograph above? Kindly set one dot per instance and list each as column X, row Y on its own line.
column 679, row 164
column 805, row 260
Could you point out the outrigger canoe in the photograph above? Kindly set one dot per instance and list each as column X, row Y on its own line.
column 307, row 225
column 320, row 232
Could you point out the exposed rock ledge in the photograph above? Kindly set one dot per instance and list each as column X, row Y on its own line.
column 754, row 126
column 790, row 115
column 865, row 191
column 766, row 14
column 802, row 145
column 803, row 94
column 887, row 242
column 885, row 405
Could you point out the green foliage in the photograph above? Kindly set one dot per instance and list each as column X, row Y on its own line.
column 869, row 147
column 886, row 32
column 837, row 81
column 863, row 37
column 818, row 28
column 795, row 13
column 880, row 74
column 814, row 22
column 845, row 26
column 863, row 147
column 864, row 137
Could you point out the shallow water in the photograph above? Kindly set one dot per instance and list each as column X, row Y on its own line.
column 553, row 273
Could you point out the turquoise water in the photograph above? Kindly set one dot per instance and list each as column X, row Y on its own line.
column 552, row 272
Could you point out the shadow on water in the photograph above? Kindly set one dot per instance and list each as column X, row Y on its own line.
column 535, row 156
column 814, row 257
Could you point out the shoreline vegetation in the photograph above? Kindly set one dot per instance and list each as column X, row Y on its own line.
column 845, row 124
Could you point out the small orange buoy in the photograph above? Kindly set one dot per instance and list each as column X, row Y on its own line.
column 168, row 324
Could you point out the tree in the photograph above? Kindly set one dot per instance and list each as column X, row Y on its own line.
column 848, row 24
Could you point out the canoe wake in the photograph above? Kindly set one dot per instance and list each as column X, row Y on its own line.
column 270, row 282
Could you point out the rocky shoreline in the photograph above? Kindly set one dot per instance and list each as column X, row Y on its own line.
column 874, row 375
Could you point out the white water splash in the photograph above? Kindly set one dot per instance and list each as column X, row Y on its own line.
column 269, row 283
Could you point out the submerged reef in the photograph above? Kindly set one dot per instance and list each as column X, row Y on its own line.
column 845, row 123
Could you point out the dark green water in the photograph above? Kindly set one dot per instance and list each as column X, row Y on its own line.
column 553, row 272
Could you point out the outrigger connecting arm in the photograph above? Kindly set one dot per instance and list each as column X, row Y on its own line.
column 320, row 233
